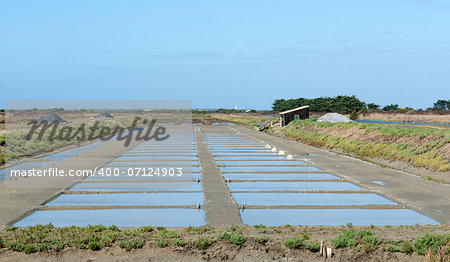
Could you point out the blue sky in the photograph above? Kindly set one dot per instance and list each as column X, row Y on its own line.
column 226, row 53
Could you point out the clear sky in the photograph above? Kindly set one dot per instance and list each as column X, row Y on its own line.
column 226, row 53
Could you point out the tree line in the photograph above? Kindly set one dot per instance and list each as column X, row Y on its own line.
column 441, row 105
column 341, row 104
column 346, row 105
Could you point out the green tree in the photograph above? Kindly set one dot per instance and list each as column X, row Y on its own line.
column 441, row 105
column 390, row 108
column 340, row 104
column 372, row 106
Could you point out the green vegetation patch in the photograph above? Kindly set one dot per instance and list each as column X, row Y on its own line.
column 421, row 147
column 49, row 239
column 299, row 241
column 433, row 241
column 131, row 244
column 179, row 242
column 312, row 246
column 161, row 243
column 196, row 230
column 46, row 238
column 351, row 238
column 202, row 243
column 233, row 238
column 261, row 240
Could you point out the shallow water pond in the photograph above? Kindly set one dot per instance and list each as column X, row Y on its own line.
column 319, row 199
column 275, row 176
column 309, row 186
column 334, row 217
column 168, row 217
column 128, row 199
column 145, row 186
column 269, row 169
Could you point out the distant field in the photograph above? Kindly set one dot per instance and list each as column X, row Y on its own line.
column 17, row 128
column 441, row 117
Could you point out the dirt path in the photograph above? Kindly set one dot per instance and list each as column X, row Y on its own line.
column 220, row 208
column 251, row 250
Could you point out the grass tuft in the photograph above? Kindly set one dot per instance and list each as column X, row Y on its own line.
column 202, row 243
column 94, row 245
column 312, row 246
column 29, row 249
column 179, row 242
column 371, row 243
column 161, row 243
column 430, row 241
column 261, row 240
column 345, row 239
column 196, row 230
column 131, row 244
column 407, row 248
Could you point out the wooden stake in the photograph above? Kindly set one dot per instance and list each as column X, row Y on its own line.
column 329, row 252
column 324, row 250
column 321, row 248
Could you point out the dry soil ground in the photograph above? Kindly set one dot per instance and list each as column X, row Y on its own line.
column 222, row 250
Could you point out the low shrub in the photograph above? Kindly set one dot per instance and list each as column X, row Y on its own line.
column 10, row 228
column 167, row 234
column 392, row 248
column 15, row 246
column 407, row 248
column 345, row 239
column 293, row 243
column 94, row 245
column 233, row 238
column 146, row 229
column 131, row 244
column 113, row 228
column 179, row 242
column 196, row 230
column 29, row 249
column 260, row 226
column 261, row 240
column 370, row 243
column 312, row 246
column 161, row 243
column 96, row 228
column 433, row 241
column 203, row 242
